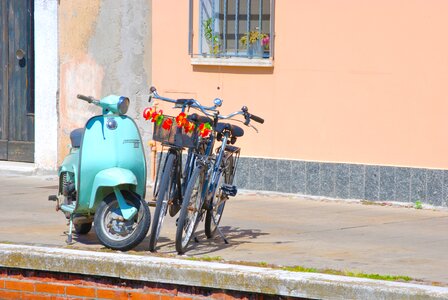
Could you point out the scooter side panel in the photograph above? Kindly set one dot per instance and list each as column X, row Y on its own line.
column 110, row 141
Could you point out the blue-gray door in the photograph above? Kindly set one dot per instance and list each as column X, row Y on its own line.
column 17, row 80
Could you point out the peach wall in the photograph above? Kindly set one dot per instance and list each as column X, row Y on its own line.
column 353, row 81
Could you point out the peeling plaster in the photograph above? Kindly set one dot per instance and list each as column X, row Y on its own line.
column 103, row 50
column 119, row 44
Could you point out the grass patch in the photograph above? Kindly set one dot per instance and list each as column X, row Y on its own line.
column 348, row 273
column 300, row 269
column 263, row 264
column 206, row 258
column 305, row 269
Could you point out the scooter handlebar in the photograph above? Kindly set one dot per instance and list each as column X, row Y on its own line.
column 89, row 99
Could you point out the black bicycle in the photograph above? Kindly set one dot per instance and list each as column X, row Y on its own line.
column 211, row 182
column 172, row 176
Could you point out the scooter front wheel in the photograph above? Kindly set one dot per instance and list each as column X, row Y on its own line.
column 113, row 230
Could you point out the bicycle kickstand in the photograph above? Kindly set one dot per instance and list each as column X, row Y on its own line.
column 220, row 232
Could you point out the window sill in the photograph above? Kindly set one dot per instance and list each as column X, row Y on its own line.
column 232, row 62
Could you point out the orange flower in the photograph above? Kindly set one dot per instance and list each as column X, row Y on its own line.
column 189, row 126
column 157, row 116
column 181, row 119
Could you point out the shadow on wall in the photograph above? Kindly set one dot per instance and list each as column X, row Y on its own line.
column 234, row 70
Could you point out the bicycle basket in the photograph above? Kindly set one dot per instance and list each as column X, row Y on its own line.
column 175, row 136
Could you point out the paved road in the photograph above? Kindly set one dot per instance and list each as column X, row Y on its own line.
column 281, row 230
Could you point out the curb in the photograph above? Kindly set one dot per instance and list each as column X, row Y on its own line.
column 17, row 168
column 210, row 275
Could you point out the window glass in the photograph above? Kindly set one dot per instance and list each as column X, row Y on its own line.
column 240, row 28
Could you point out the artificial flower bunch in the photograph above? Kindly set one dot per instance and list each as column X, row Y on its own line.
column 182, row 121
column 150, row 113
column 205, row 129
column 154, row 115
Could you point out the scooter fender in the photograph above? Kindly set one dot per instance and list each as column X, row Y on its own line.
column 114, row 177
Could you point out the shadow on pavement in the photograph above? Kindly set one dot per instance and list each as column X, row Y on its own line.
column 200, row 246
column 235, row 236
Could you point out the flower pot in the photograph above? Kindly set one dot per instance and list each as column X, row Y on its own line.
column 255, row 49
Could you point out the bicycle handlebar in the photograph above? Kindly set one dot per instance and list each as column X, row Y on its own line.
column 256, row 118
column 195, row 104
column 183, row 102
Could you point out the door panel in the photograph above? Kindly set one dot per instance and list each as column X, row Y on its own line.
column 18, row 101
column 4, row 79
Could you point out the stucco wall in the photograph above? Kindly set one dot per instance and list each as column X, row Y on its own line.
column 46, row 84
column 353, row 81
column 104, row 48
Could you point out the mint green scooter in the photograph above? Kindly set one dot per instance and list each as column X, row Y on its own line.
column 103, row 178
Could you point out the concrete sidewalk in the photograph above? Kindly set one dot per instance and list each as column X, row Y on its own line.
column 272, row 229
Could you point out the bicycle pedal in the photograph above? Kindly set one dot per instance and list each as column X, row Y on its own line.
column 229, row 190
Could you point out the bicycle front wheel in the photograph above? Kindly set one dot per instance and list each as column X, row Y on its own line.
column 191, row 209
column 163, row 196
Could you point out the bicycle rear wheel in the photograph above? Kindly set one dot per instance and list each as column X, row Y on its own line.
column 215, row 211
column 163, row 196
column 191, row 209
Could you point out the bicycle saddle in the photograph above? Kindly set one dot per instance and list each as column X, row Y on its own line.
column 236, row 131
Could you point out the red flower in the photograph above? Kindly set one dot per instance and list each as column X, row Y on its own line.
column 167, row 124
column 205, row 129
column 148, row 112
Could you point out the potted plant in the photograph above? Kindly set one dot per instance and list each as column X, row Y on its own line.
column 258, row 43
column 211, row 37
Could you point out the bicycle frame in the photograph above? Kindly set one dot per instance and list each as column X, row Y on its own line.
column 205, row 172
column 182, row 173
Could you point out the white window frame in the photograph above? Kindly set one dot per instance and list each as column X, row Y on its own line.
column 209, row 10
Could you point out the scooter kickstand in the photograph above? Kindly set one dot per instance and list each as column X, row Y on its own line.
column 69, row 240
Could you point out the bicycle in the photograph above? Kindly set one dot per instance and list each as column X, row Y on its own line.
column 172, row 176
column 211, row 183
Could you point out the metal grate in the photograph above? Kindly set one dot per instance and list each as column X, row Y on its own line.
column 225, row 24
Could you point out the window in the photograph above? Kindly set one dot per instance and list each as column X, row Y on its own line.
column 235, row 28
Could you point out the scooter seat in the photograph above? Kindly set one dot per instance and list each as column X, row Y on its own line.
column 76, row 137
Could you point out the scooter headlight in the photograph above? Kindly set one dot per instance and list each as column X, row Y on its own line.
column 123, row 105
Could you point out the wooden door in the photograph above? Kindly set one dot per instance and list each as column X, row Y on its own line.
column 17, row 80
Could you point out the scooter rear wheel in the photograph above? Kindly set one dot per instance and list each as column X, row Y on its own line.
column 116, row 233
